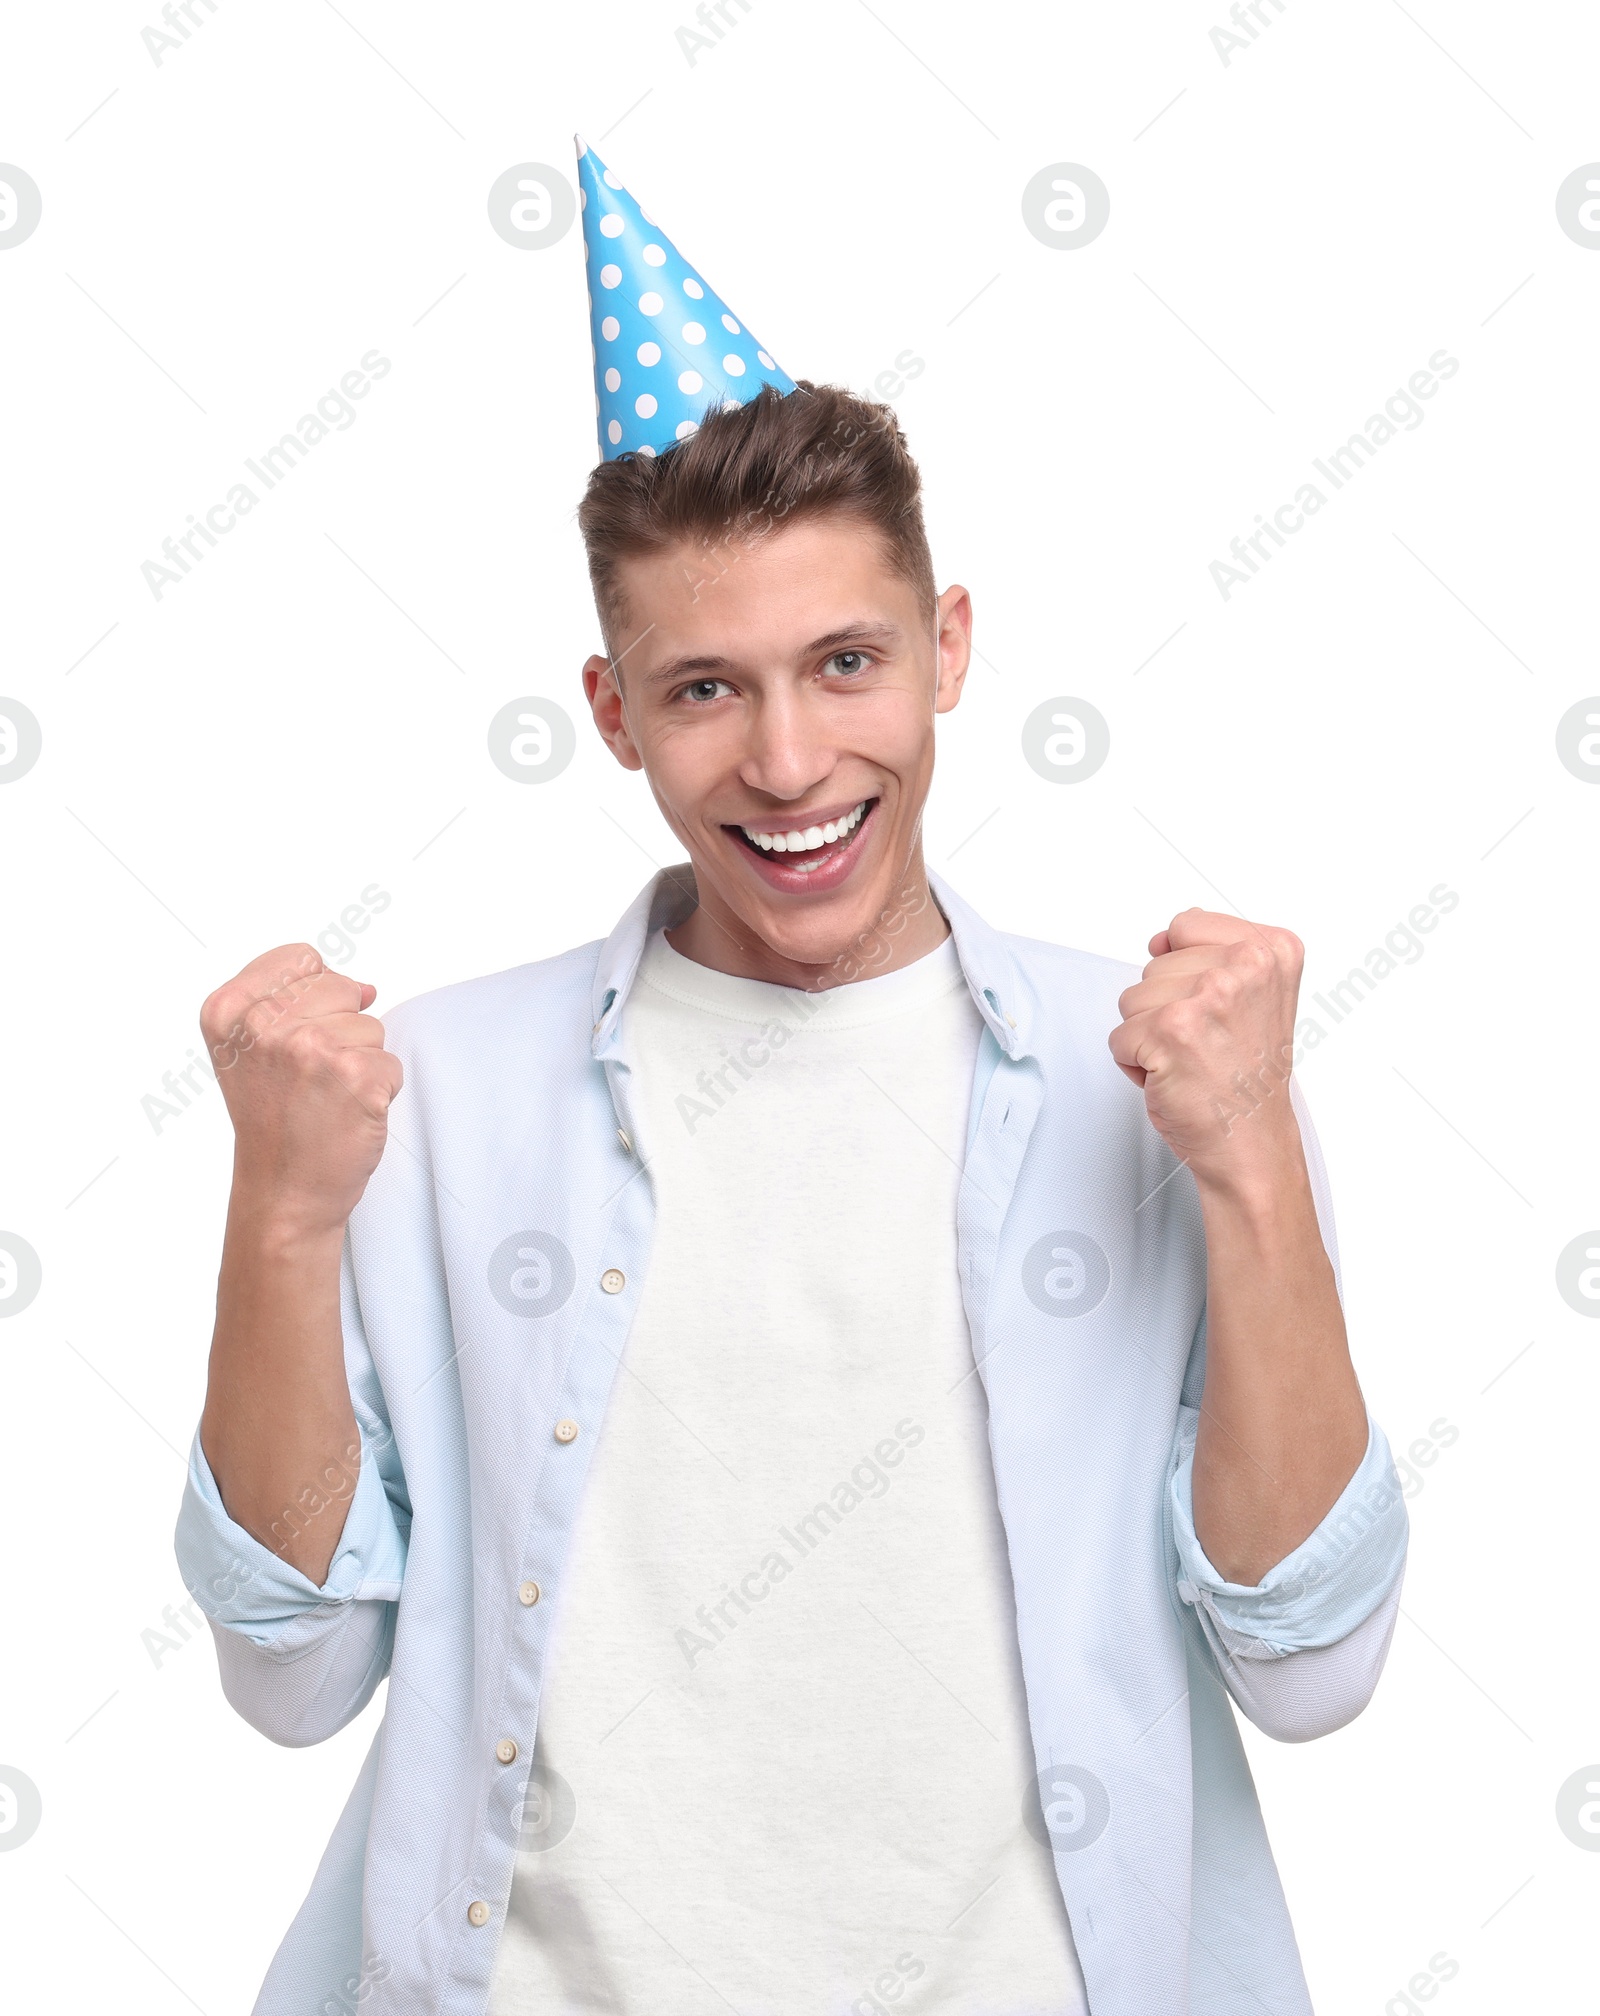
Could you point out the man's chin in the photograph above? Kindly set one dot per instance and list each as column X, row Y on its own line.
column 838, row 936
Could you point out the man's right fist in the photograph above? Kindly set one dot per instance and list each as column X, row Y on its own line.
column 307, row 1082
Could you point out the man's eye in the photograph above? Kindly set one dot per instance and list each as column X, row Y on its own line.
column 849, row 661
column 703, row 689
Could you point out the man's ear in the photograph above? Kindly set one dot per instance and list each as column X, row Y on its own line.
column 601, row 685
column 954, row 646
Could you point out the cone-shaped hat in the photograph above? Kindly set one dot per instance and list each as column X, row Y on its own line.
column 666, row 346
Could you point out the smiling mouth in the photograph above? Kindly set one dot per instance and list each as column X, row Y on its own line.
column 803, row 849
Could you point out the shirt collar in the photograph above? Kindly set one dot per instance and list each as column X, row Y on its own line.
column 991, row 973
column 669, row 897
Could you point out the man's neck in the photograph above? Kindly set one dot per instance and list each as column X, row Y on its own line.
column 908, row 927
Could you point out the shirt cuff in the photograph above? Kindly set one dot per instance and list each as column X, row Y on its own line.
column 1333, row 1580
column 246, row 1587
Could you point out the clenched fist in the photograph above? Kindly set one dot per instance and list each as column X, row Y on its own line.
column 307, row 1082
column 1208, row 1031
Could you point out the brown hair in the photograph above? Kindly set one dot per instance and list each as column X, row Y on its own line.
column 748, row 469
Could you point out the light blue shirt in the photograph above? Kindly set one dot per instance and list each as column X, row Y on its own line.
column 490, row 1274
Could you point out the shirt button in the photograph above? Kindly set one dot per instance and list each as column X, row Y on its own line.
column 506, row 1750
column 623, row 1142
column 613, row 1280
column 566, row 1431
column 528, row 1594
column 477, row 1912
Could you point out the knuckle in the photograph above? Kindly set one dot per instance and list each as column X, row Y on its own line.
column 302, row 1042
column 372, row 1089
column 349, row 1067
column 218, row 1010
column 1222, row 984
column 1257, row 956
column 1289, row 948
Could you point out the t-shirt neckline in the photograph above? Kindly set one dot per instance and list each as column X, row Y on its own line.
column 849, row 1005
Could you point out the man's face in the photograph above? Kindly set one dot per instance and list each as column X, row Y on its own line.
column 780, row 697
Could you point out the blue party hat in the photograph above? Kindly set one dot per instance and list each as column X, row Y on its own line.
column 667, row 348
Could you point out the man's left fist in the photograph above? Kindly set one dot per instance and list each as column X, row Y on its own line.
column 1208, row 1031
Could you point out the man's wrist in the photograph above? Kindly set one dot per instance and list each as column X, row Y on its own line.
column 281, row 1227
column 1257, row 1178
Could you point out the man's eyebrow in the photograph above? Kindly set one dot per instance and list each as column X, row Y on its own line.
column 699, row 665
column 682, row 668
column 855, row 633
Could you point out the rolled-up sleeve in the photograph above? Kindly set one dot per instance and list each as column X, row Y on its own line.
column 1302, row 1650
column 298, row 1661
column 1320, row 1592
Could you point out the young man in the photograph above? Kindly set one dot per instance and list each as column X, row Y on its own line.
column 820, row 1403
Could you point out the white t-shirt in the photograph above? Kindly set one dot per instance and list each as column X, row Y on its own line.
column 783, row 1751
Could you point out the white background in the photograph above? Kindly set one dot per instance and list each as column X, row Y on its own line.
column 228, row 767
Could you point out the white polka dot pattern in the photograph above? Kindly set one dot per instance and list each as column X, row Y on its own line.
column 655, row 376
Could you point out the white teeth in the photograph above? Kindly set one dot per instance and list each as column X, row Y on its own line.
column 791, row 842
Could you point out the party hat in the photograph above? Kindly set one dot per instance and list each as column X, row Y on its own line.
column 667, row 348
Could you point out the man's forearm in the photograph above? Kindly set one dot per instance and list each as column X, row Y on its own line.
column 278, row 1429
column 1283, row 1426
column 308, row 1086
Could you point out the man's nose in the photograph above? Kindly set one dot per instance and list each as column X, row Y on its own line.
column 789, row 750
